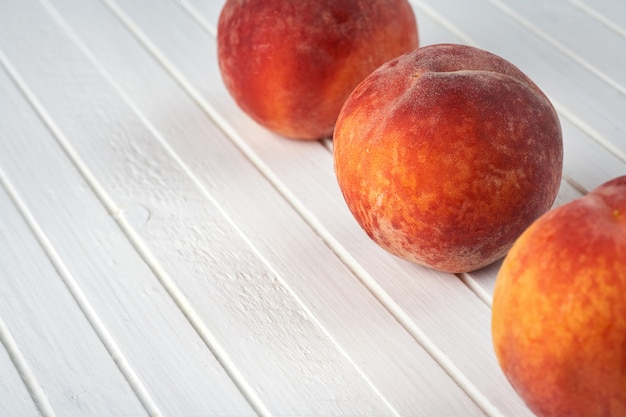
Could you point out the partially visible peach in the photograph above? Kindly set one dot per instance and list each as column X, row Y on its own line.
column 446, row 154
column 290, row 64
column 559, row 308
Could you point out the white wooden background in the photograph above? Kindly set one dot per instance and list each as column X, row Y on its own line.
column 163, row 255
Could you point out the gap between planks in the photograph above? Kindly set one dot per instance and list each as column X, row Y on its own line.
column 16, row 356
column 599, row 17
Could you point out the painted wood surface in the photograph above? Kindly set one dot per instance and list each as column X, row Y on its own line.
column 163, row 255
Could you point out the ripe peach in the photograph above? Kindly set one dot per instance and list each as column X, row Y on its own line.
column 559, row 308
column 291, row 64
column 446, row 154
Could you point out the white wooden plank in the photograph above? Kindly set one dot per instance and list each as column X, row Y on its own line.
column 71, row 370
column 608, row 12
column 167, row 358
column 249, row 303
column 325, row 210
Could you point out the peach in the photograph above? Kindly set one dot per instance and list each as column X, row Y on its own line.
column 446, row 154
column 290, row 65
column 559, row 308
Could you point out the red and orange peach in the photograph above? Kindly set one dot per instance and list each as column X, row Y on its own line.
column 290, row 65
column 559, row 308
column 446, row 154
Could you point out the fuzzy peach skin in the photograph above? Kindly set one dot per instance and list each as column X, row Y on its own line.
column 559, row 308
column 290, row 64
column 446, row 154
